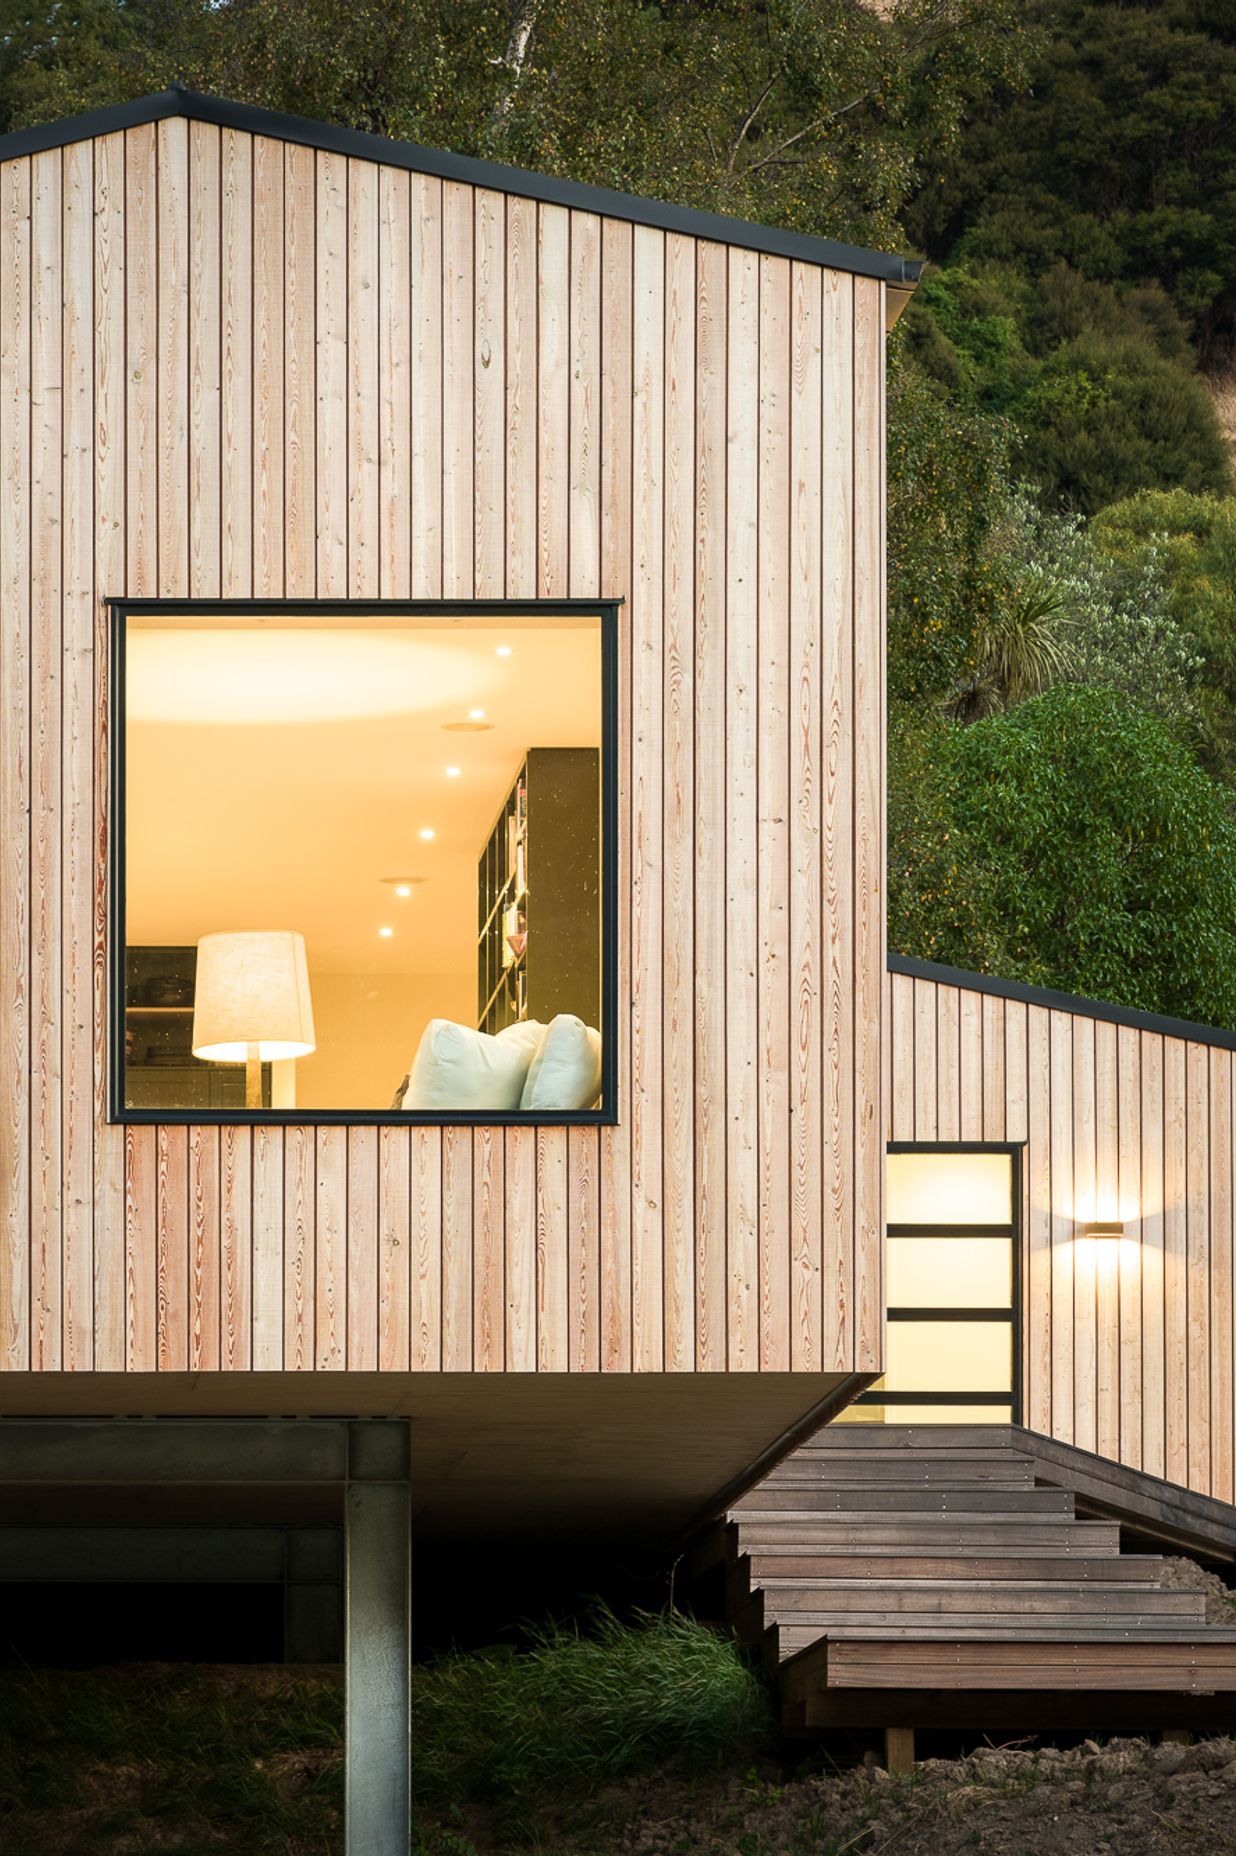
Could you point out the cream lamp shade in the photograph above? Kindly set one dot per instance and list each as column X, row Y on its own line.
column 251, row 1002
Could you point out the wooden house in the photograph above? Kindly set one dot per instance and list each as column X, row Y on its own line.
column 447, row 1035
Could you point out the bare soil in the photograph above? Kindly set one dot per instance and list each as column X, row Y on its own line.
column 1123, row 1799
column 1183, row 1575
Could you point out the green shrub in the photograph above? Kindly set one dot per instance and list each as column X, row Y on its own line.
column 1192, row 541
column 1116, row 626
column 1091, row 853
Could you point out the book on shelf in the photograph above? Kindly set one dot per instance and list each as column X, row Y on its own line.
column 514, row 934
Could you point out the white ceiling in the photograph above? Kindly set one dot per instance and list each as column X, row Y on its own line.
column 278, row 771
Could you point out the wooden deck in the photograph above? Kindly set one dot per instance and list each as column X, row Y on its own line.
column 973, row 1577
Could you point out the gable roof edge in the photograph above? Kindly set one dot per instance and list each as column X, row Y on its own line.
column 831, row 254
column 1077, row 1005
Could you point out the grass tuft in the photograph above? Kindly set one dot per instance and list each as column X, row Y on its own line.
column 575, row 1710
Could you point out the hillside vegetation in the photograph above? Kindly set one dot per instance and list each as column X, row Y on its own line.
column 1062, row 526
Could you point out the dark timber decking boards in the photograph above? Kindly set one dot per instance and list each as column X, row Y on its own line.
column 948, row 1575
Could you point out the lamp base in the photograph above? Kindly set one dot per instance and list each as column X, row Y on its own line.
column 253, row 1078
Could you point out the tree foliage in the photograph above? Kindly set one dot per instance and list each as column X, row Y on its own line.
column 1098, row 386
column 1107, row 418
column 948, row 491
column 815, row 114
column 1073, row 842
column 1118, row 157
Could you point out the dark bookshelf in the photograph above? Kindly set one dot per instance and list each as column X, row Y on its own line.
column 538, row 894
column 160, row 1069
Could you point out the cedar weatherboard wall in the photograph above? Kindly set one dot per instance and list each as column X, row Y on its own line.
column 1127, row 1348
column 236, row 365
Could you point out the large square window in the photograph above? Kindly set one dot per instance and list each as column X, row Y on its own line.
column 362, row 861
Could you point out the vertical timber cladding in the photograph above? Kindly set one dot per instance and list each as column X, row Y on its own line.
column 1127, row 1346
column 233, row 365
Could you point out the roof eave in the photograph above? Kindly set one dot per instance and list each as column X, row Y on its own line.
column 900, row 274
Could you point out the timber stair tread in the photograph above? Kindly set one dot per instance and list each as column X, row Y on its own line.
column 1092, row 1537
column 989, row 1499
column 921, row 1625
column 943, row 1561
column 890, row 1587
column 944, row 1548
column 891, row 1601
column 1006, row 1630
column 928, row 1519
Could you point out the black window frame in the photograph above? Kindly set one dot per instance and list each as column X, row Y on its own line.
column 120, row 609
column 1013, row 1314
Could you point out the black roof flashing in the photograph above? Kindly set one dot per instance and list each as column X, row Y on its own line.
column 1079, row 1007
column 178, row 101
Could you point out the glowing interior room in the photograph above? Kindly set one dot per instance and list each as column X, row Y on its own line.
column 362, row 860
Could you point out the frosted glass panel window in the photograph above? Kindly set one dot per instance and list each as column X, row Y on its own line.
column 949, row 1356
column 950, row 1189
column 952, row 1251
column 950, row 1272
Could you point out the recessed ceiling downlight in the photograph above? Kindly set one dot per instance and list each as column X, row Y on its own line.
column 466, row 728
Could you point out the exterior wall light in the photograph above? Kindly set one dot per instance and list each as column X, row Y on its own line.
column 1104, row 1227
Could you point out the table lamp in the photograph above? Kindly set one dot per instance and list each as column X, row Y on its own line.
column 251, row 1003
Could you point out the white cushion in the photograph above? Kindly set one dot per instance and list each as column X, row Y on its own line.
column 458, row 1068
column 566, row 1071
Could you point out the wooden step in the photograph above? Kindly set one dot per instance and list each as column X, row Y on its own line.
column 909, row 1472
column 922, row 1439
column 933, row 1562
column 795, row 1563
column 805, row 1627
column 1061, row 1626
column 1088, row 1537
column 929, row 1533
column 812, row 1497
column 937, row 1598
column 1156, row 1660
column 837, row 1441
